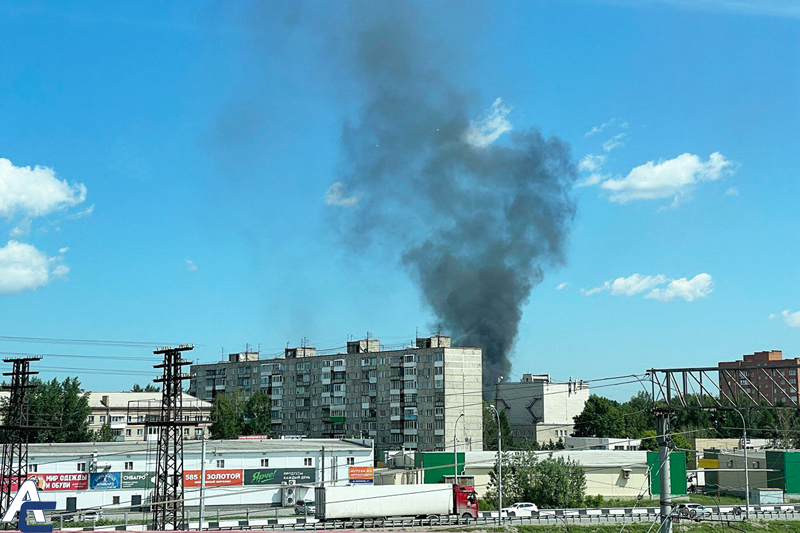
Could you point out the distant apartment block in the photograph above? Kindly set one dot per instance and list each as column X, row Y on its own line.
column 541, row 409
column 127, row 414
column 766, row 376
column 403, row 397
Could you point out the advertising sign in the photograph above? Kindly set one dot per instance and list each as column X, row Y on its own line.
column 214, row 478
column 276, row 476
column 361, row 474
column 137, row 480
column 104, row 480
column 77, row 481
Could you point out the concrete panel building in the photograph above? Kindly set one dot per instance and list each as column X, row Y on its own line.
column 403, row 397
column 541, row 409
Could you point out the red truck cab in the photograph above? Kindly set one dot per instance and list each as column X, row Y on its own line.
column 466, row 501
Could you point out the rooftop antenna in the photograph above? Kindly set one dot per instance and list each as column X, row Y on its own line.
column 222, row 352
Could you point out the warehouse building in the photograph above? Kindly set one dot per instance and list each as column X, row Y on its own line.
column 611, row 474
column 540, row 409
column 120, row 475
column 403, row 397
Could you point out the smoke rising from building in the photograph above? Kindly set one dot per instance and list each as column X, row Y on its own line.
column 476, row 207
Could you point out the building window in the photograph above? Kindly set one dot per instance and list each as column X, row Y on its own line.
column 351, row 460
column 265, row 463
column 33, row 468
column 127, row 432
column 102, row 419
column 91, row 419
column 115, row 500
column 128, row 465
column 307, row 461
column 220, row 463
column 139, row 432
column 81, row 467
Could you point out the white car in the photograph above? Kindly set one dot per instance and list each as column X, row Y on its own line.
column 693, row 511
column 521, row 509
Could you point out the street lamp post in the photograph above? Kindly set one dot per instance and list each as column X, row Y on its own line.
column 499, row 465
column 455, row 448
column 746, row 467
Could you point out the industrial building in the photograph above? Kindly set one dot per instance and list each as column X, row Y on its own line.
column 127, row 412
column 540, row 409
column 775, row 386
column 265, row 472
column 404, row 397
column 617, row 474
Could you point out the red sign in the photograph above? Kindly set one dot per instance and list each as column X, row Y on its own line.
column 253, row 437
column 214, row 478
column 76, row 481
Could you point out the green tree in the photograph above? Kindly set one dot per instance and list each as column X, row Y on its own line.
column 62, row 409
column 601, row 417
column 490, row 430
column 104, row 434
column 551, row 483
column 256, row 414
column 226, row 416
column 147, row 388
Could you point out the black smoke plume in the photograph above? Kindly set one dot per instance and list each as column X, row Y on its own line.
column 475, row 208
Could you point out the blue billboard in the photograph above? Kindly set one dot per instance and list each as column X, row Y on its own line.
column 105, row 480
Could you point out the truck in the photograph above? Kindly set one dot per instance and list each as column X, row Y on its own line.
column 380, row 502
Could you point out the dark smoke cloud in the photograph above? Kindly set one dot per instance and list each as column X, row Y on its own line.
column 475, row 221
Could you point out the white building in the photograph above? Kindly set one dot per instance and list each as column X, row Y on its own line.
column 601, row 443
column 125, row 413
column 541, row 409
column 120, row 475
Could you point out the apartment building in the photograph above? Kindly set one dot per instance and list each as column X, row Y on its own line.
column 541, row 409
column 127, row 413
column 765, row 375
column 403, row 397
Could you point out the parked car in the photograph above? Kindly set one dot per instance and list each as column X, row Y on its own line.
column 90, row 514
column 521, row 509
column 693, row 510
column 305, row 507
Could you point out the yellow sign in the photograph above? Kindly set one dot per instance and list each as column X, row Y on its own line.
column 708, row 463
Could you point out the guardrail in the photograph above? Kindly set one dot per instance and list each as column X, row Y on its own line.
column 723, row 513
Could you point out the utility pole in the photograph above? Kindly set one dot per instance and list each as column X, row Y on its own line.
column 662, row 438
column 499, row 463
column 202, row 482
column 455, row 448
column 15, row 429
column 167, row 500
column 746, row 468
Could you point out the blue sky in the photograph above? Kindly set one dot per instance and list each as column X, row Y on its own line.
column 185, row 151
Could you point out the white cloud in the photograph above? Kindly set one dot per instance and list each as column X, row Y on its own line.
column 615, row 142
column 688, row 289
column 335, row 195
column 591, row 162
column 671, row 178
column 84, row 213
column 190, row 266
column 593, row 179
column 791, row 319
column 33, row 192
column 601, row 127
column 25, row 268
column 562, row 286
column 488, row 128
column 732, row 191
column 697, row 287
column 63, row 250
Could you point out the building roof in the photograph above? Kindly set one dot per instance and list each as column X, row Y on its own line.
column 586, row 458
column 220, row 446
column 120, row 400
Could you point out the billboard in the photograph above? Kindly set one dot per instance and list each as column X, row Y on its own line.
column 276, row 476
column 77, row 481
column 137, row 480
column 104, row 480
column 361, row 474
column 214, row 478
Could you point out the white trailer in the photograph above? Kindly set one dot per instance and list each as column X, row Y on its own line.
column 385, row 501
